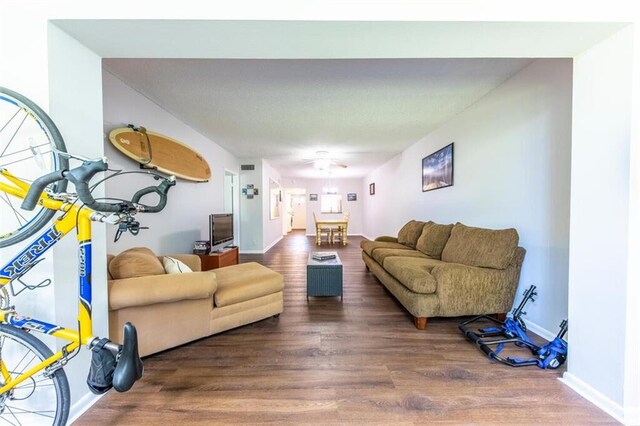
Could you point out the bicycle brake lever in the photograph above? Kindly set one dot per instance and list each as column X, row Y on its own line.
column 134, row 227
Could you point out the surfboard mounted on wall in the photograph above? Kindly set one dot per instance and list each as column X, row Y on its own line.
column 155, row 151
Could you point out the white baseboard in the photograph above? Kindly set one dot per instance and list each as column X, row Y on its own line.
column 273, row 244
column 261, row 251
column 540, row 331
column 82, row 405
column 368, row 237
column 601, row 401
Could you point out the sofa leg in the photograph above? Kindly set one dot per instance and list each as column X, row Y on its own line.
column 500, row 317
column 276, row 316
column 420, row 322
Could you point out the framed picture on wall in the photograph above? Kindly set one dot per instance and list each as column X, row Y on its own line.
column 313, row 197
column 372, row 188
column 352, row 197
column 437, row 169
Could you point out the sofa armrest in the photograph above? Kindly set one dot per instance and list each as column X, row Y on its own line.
column 142, row 291
column 387, row 239
column 472, row 289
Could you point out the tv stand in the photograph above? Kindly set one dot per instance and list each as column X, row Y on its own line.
column 216, row 260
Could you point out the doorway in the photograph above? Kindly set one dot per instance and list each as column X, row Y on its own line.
column 296, row 209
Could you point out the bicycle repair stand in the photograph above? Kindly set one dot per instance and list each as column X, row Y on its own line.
column 513, row 330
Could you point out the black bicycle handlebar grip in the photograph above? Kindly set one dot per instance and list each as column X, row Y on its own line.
column 162, row 189
column 38, row 185
column 81, row 176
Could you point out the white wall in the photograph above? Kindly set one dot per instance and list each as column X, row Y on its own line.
column 258, row 233
column 272, row 228
column 251, row 210
column 600, row 177
column 511, row 169
column 185, row 218
column 77, row 110
column 344, row 186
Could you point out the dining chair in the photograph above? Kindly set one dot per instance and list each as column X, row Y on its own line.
column 340, row 231
column 322, row 230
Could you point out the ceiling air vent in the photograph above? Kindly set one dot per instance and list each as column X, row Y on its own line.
column 247, row 167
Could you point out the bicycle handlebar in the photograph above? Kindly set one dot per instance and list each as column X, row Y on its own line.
column 80, row 177
column 38, row 185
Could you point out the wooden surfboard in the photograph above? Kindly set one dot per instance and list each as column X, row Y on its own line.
column 156, row 151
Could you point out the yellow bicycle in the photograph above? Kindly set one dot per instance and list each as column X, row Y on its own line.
column 33, row 386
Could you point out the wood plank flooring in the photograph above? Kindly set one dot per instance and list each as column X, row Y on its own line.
column 325, row 362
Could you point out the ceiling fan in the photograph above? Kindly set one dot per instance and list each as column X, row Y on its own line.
column 323, row 161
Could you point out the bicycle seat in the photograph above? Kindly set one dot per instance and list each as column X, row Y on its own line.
column 129, row 367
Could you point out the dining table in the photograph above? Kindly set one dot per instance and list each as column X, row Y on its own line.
column 332, row 223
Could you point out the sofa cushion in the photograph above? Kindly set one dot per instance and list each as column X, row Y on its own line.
column 381, row 254
column 245, row 281
column 414, row 273
column 410, row 232
column 433, row 239
column 174, row 266
column 369, row 246
column 486, row 248
column 135, row 262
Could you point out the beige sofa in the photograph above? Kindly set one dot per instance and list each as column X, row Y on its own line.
column 172, row 309
column 447, row 270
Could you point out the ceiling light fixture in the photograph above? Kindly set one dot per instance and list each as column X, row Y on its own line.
column 322, row 164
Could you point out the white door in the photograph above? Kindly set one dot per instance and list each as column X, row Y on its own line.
column 299, row 208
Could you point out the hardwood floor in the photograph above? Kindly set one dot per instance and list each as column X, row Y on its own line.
column 325, row 362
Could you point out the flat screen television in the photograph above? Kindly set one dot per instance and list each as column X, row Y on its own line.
column 220, row 228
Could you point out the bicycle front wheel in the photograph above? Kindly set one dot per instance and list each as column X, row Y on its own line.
column 41, row 399
column 29, row 146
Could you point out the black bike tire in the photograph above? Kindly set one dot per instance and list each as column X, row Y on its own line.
column 60, row 186
column 61, row 384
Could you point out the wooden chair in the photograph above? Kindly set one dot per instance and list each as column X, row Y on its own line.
column 320, row 231
column 340, row 232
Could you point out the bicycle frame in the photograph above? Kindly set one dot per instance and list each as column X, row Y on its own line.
column 27, row 258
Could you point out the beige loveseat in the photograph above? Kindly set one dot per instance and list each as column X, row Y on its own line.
column 447, row 270
column 172, row 309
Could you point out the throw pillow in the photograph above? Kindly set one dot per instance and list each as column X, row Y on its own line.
column 485, row 248
column 174, row 266
column 433, row 239
column 135, row 262
column 410, row 232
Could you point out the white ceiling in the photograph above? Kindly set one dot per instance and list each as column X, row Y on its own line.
column 363, row 111
column 352, row 87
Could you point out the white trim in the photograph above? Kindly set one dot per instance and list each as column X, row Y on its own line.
column 540, row 331
column 82, row 405
column 632, row 416
column 601, row 401
column 266, row 249
column 367, row 237
column 272, row 244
